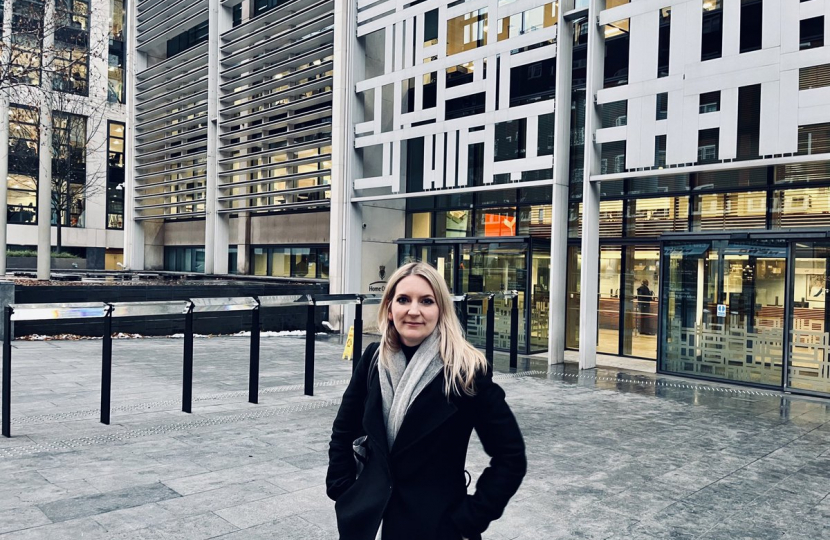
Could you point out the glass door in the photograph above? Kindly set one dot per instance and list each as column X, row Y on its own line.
column 723, row 315
column 493, row 267
column 809, row 366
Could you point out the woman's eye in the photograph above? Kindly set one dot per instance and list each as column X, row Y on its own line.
column 427, row 301
column 402, row 300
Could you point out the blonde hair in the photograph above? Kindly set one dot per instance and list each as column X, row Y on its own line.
column 462, row 361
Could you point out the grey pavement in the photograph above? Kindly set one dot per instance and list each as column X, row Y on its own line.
column 613, row 454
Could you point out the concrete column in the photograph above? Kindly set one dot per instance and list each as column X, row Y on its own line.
column 4, row 134
column 216, row 224
column 561, row 180
column 133, row 229
column 590, row 197
column 44, row 184
column 243, row 248
column 346, row 225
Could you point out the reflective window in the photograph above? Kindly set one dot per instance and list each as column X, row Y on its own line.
column 510, row 140
column 453, row 224
column 608, row 309
column 24, row 165
column 811, row 33
column 496, row 222
column 467, row 32
column 653, row 217
column 69, row 142
column 796, row 208
column 725, row 211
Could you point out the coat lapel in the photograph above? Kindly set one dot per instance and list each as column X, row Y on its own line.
column 373, row 421
column 429, row 410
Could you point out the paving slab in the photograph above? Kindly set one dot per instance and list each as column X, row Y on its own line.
column 613, row 453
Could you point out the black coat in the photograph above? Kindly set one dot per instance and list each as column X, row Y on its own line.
column 419, row 487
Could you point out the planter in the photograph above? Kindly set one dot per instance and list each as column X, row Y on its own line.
column 58, row 263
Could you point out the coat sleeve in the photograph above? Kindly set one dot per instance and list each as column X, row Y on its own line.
column 348, row 426
column 502, row 440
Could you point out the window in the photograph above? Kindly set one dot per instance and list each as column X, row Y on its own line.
column 812, row 33
column 793, row 208
column 662, row 106
column 71, row 53
column 533, row 82
column 749, row 121
column 184, row 259
column 547, row 126
column 458, row 75
column 616, row 53
column 660, row 151
column 24, row 164
column 528, row 21
column 465, row 106
column 510, row 140
column 430, row 28
column 115, row 175
column 651, row 217
column 725, row 211
column 814, row 77
column 613, row 114
column 475, row 164
column 237, row 15
column 663, row 42
column 710, row 102
column 612, row 157
column 26, row 27
column 430, row 90
column 68, row 169
column 712, row 39
column 413, row 160
column 116, row 69
column 187, row 39
column 751, row 25
column 294, row 261
column 467, row 32
column 707, row 145
column 814, row 139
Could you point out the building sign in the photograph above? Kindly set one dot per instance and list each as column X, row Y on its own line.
column 721, row 310
column 377, row 287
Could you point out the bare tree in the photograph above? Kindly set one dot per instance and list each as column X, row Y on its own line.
column 47, row 54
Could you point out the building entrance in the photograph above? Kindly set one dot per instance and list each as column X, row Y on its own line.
column 749, row 310
column 724, row 309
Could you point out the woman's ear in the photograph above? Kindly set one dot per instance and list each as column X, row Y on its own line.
column 389, row 315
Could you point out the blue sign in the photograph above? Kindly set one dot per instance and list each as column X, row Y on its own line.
column 721, row 310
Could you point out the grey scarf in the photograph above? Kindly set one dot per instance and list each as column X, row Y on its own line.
column 400, row 383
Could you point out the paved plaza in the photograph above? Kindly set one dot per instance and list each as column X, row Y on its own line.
column 613, row 454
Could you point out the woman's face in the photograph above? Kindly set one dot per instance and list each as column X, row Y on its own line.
column 414, row 311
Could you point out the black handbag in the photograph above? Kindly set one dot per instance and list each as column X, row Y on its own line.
column 360, row 446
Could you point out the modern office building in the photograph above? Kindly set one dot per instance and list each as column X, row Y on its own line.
column 653, row 178
column 63, row 116
column 231, row 129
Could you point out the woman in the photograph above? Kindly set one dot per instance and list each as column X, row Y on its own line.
column 417, row 395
